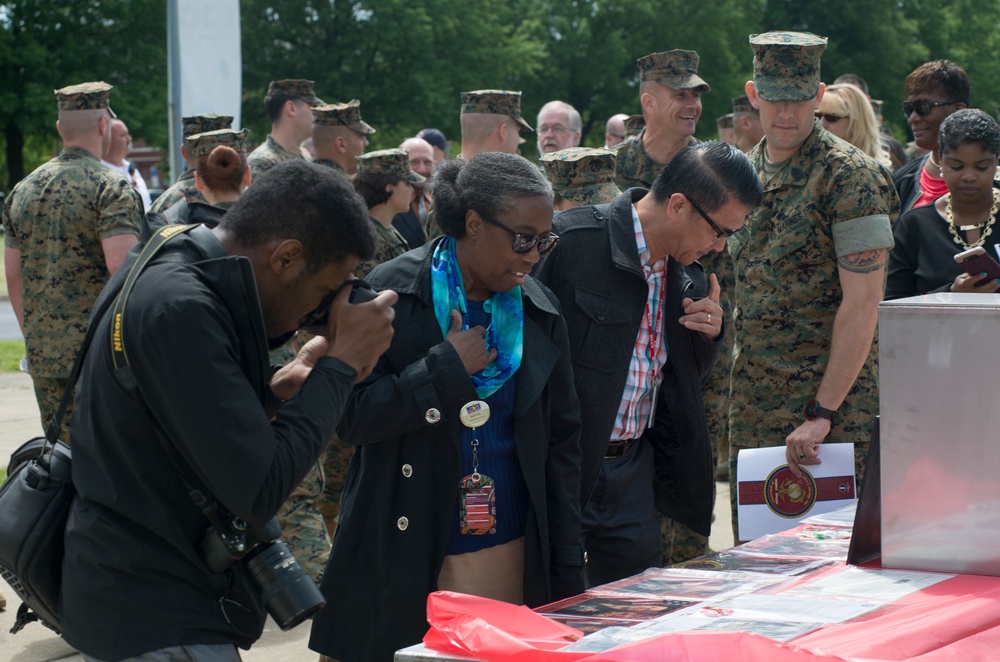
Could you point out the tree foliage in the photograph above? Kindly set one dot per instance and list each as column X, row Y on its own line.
column 408, row 60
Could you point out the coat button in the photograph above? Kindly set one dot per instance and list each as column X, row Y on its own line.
column 600, row 317
column 407, row 471
column 432, row 416
column 402, row 523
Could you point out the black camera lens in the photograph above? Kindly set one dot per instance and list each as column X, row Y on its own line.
column 361, row 292
column 288, row 593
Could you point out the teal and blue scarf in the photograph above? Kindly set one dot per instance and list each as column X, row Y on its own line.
column 505, row 333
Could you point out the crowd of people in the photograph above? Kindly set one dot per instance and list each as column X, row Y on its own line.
column 557, row 361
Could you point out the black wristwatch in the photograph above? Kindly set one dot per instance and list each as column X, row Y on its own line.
column 814, row 411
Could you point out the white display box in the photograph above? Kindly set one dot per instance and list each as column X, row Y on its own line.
column 939, row 364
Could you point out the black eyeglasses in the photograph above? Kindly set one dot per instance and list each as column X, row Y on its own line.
column 829, row 117
column 720, row 233
column 525, row 242
column 924, row 107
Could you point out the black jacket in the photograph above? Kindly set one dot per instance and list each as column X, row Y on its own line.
column 596, row 274
column 382, row 567
column 907, row 181
column 133, row 577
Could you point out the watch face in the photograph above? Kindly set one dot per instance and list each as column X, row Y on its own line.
column 811, row 409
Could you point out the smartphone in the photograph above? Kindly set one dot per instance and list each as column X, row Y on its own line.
column 976, row 261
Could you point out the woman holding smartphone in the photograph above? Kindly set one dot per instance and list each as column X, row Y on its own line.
column 929, row 237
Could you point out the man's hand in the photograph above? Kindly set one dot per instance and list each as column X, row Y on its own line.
column 470, row 344
column 704, row 315
column 802, row 445
column 286, row 382
column 360, row 333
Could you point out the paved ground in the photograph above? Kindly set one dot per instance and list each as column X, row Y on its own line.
column 19, row 422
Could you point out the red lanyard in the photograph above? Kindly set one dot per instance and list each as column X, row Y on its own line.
column 655, row 328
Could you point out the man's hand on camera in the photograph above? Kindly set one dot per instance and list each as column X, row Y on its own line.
column 360, row 333
column 286, row 382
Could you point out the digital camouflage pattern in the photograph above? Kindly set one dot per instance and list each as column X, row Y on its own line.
column 788, row 292
column 193, row 124
column 681, row 543
column 635, row 166
column 57, row 218
column 741, row 104
column 332, row 164
column 388, row 244
column 48, row 393
column 584, row 175
column 342, row 114
column 302, row 525
column 677, row 69
column 724, row 122
column 202, row 144
column 715, row 392
column 786, row 65
column 391, row 162
column 182, row 189
column 267, row 155
column 633, row 125
column 85, row 96
column 494, row 102
column 294, row 87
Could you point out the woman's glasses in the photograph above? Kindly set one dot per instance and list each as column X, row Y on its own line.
column 525, row 242
column 829, row 117
column 924, row 107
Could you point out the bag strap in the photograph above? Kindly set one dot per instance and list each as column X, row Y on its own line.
column 151, row 248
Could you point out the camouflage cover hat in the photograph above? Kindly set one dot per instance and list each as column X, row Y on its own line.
column 724, row 122
column 202, row 144
column 582, row 174
column 634, row 124
column 294, row 87
column 341, row 114
column 741, row 104
column 193, row 124
column 85, row 96
column 393, row 162
column 675, row 69
column 494, row 102
column 786, row 65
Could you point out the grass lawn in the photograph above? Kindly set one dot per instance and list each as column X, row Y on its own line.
column 11, row 352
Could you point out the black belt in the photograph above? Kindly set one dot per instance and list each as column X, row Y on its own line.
column 618, row 448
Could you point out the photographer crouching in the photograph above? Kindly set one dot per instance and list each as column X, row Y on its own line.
column 180, row 462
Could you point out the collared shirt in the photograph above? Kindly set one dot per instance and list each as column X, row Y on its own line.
column 644, row 371
column 135, row 178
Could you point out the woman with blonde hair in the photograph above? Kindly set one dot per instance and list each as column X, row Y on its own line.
column 847, row 113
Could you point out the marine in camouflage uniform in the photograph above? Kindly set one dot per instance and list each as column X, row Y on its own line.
column 813, row 249
column 581, row 176
column 674, row 70
column 388, row 244
column 201, row 145
column 339, row 135
column 57, row 219
column 184, row 188
column 270, row 153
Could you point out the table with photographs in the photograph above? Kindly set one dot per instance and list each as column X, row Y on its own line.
column 792, row 588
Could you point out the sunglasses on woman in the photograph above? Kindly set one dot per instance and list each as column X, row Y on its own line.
column 924, row 107
column 525, row 242
column 829, row 117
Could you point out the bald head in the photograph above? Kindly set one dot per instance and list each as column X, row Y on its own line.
column 421, row 156
column 614, row 130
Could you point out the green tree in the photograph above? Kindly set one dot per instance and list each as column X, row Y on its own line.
column 48, row 44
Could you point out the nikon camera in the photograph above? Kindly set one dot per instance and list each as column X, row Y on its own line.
column 290, row 596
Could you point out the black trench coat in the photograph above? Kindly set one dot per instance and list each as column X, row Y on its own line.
column 401, row 488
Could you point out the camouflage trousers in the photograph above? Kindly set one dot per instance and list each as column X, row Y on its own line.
column 716, row 390
column 302, row 524
column 336, row 459
column 860, row 457
column 49, row 392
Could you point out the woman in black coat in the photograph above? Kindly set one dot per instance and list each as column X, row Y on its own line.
column 439, row 496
